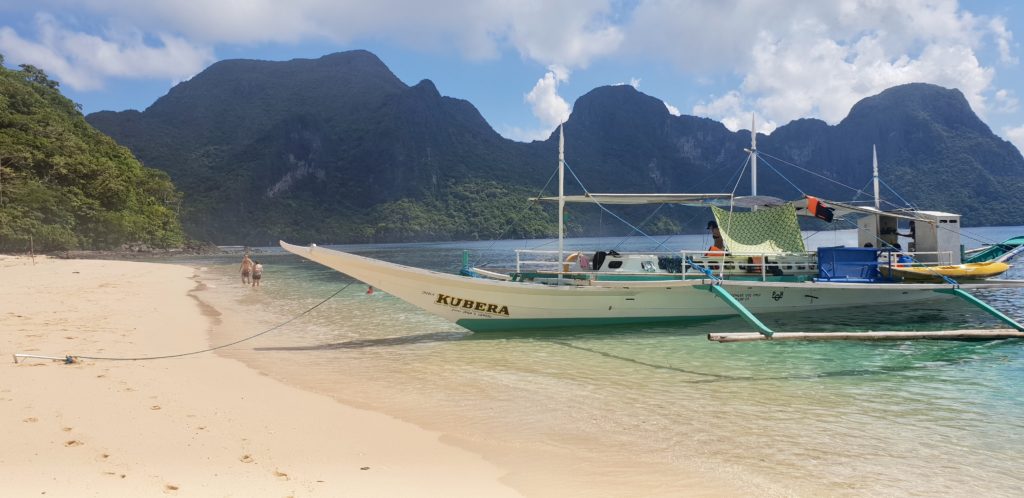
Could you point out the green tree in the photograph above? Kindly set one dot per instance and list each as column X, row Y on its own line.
column 65, row 185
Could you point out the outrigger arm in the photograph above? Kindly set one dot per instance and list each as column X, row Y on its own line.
column 717, row 288
column 951, row 335
column 987, row 308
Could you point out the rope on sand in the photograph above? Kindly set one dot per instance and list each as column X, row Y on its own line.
column 69, row 359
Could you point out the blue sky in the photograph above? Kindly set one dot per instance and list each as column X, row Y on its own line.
column 523, row 63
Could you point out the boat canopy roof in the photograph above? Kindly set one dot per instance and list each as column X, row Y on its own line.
column 702, row 200
column 840, row 209
column 843, row 210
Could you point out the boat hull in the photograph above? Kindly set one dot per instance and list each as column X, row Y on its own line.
column 480, row 304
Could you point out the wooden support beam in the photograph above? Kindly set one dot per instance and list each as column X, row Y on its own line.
column 946, row 335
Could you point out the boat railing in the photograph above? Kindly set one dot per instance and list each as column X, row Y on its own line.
column 549, row 259
column 751, row 264
column 923, row 258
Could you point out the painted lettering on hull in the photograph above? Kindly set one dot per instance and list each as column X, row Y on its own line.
column 468, row 304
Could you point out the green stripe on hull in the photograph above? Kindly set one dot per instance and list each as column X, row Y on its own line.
column 500, row 324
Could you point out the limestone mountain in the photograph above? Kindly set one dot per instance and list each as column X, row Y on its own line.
column 330, row 149
column 933, row 151
column 339, row 149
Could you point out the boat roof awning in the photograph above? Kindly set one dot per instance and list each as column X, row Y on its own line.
column 685, row 199
column 770, row 230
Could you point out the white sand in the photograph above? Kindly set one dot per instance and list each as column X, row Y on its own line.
column 200, row 425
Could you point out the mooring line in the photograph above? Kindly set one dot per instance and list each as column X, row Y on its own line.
column 650, row 365
column 713, row 377
column 72, row 358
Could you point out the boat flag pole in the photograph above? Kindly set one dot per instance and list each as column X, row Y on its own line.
column 561, row 200
column 874, row 175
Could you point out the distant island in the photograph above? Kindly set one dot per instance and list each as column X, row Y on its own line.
column 338, row 149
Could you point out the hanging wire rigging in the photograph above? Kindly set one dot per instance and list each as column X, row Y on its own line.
column 766, row 163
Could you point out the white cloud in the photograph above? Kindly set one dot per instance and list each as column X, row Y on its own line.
column 563, row 32
column 633, row 82
column 673, row 110
column 1016, row 136
column 734, row 112
column 1006, row 101
column 524, row 134
column 82, row 61
column 813, row 75
column 816, row 59
column 794, row 58
column 545, row 103
column 1004, row 40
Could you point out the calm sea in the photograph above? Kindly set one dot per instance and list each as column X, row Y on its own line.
column 642, row 410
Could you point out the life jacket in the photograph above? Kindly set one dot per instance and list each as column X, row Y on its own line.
column 715, row 251
column 819, row 210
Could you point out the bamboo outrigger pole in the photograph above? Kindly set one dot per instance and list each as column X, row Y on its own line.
column 946, row 335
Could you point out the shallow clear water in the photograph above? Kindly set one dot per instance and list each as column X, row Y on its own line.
column 837, row 418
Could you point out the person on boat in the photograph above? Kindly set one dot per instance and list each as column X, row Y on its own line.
column 901, row 258
column 912, row 235
column 257, row 274
column 718, row 248
column 246, row 268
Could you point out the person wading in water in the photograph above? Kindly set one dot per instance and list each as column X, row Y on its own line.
column 246, row 268
column 257, row 274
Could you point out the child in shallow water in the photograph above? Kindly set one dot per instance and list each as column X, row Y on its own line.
column 257, row 274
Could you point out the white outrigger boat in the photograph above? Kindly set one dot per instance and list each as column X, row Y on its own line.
column 764, row 268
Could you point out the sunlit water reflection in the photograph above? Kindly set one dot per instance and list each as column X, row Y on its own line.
column 838, row 418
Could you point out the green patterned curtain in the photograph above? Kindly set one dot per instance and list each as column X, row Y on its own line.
column 768, row 230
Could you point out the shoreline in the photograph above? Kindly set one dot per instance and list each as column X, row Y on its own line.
column 203, row 424
column 532, row 468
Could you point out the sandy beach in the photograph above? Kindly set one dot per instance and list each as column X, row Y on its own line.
column 199, row 425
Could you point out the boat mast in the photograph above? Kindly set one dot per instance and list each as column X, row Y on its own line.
column 753, row 158
column 874, row 175
column 561, row 199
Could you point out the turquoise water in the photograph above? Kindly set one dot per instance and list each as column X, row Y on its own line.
column 621, row 411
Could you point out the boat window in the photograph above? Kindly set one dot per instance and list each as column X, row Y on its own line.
column 615, row 264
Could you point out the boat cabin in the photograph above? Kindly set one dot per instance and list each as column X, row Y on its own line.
column 934, row 235
column 938, row 240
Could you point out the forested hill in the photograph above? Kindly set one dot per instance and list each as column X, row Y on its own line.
column 338, row 149
column 65, row 185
